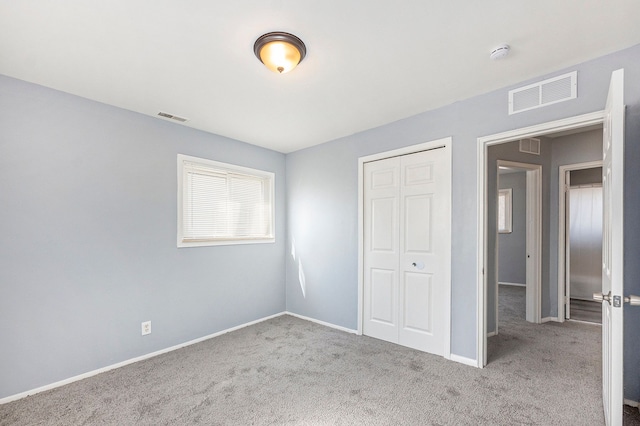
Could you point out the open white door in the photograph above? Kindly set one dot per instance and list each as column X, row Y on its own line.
column 613, row 251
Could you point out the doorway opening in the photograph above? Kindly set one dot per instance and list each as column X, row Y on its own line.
column 525, row 248
column 518, row 236
column 487, row 182
column 580, row 241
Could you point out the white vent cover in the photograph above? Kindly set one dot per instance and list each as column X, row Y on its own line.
column 172, row 117
column 543, row 93
column 530, row 146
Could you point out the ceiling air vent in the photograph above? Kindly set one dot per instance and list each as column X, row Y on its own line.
column 543, row 93
column 172, row 117
column 530, row 146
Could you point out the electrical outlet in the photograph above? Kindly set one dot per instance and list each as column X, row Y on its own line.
column 146, row 327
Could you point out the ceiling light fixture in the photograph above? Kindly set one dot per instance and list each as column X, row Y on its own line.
column 280, row 52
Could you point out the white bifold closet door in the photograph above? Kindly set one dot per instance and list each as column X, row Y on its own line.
column 406, row 220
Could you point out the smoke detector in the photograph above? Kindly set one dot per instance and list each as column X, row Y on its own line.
column 500, row 52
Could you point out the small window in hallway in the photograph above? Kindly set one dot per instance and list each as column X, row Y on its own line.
column 504, row 211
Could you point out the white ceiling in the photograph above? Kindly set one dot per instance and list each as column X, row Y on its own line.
column 368, row 62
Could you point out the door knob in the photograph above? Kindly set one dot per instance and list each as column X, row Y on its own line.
column 632, row 300
column 602, row 297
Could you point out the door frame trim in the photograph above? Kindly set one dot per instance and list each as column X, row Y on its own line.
column 563, row 247
column 444, row 143
column 484, row 142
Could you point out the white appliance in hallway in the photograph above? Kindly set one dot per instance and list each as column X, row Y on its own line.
column 585, row 251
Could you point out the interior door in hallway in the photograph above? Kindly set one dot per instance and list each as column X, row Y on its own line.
column 406, row 249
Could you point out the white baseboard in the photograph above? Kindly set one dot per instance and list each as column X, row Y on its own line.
column 464, row 360
column 547, row 319
column 632, row 403
column 326, row 324
column 513, row 284
column 491, row 334
column 129, row 361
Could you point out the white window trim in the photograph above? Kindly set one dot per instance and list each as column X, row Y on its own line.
column 230, row 168
column 508, row 210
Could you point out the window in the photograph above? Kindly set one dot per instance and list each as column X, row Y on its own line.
column 504, row 211
column 222, row 203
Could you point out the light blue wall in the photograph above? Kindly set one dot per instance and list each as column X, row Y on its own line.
column 632, row 231
column 88, row 225
column 323, row 217
column 512, row 247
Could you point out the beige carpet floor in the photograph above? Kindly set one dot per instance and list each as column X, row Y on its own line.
column 288, row 371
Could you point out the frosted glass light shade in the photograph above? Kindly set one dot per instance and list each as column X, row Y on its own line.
column 279, row 56
column 280, row 52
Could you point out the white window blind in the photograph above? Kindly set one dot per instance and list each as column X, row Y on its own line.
column 223, row 204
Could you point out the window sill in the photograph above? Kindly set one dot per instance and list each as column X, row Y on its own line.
column 206, row 243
